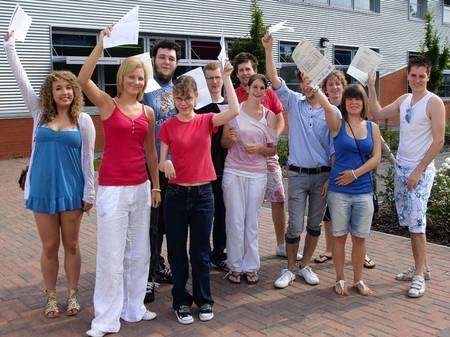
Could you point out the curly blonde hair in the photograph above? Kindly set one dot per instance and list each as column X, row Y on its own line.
column 47, row 100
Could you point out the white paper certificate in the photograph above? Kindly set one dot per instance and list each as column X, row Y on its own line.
column 20, row 23
column 311, row 62
column 125, row 31
column 204, row 97
column 280, row 27
column 365, row 61
column 223, row 53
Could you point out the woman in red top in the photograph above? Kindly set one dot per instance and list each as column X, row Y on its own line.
column 123, row 199
column 189, row 201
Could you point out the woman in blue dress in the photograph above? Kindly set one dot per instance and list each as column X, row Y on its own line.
column 60, row 180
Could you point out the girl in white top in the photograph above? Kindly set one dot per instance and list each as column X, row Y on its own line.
column 250, row 138
column 59, row 166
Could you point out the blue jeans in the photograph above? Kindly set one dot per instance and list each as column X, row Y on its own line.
column 189, row 207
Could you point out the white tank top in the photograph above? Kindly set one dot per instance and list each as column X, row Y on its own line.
column 416, row 136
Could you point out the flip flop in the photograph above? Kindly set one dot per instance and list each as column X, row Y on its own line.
column 233, row 277
column 322, row 258
column 251, row 278
column 362, row 289
column 340, row 288
column 368, row 262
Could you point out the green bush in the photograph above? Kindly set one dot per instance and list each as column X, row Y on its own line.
column 391, row 137
column 283, row 151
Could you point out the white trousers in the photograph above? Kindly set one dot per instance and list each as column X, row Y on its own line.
column 243, row 197
column 123, row 255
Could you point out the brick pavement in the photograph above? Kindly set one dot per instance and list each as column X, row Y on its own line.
column 241, row 310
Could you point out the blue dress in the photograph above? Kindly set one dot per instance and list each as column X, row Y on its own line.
column 56, row 175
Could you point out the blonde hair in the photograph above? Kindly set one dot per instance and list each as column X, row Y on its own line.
column 47, row 101
column 129, row 65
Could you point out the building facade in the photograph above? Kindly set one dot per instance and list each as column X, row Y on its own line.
column 63, row 33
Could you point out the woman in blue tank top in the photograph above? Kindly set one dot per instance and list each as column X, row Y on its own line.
column 357, row 145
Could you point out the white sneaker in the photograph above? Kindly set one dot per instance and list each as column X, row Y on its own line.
column 417, row 287
column 286, row 279
column 281, row 252
column 409, row 274
column 309, row 276
column 95, row 333
column 148, row 315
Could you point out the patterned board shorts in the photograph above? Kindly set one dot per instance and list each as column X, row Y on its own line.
column 275, row 188
column 412, row 205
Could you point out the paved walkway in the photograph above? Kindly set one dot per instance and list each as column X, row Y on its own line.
column 299, row 310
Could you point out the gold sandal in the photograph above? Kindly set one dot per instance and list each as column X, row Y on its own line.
column 51, row 308
column 73, row 307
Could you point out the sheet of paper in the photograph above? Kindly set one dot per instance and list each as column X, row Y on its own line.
column 152, row 85
column 311, row 62
column 223, row 52
column 125, row 31
column 365, row 61
column 280, row 27
column 20, row 23
column 132, row 15
column 223, row 107
column 204, row 97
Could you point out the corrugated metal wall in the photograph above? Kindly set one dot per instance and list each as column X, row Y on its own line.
column 390, row 31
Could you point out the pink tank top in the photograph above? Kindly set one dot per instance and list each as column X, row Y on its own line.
column 123, row 162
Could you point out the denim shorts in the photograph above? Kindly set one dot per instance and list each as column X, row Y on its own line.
column 350, row 213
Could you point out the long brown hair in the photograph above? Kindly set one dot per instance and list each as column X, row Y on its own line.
column 47, row 101
column 355, row 91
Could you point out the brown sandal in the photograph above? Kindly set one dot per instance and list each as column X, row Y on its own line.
column 233, row 277
column 51, row 308
column 73, row 307
column 251, row 277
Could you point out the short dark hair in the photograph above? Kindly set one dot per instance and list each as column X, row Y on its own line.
column 419, row 61
column 355, row 91
column 244, row 57
column 260, row 77
column 166, row 44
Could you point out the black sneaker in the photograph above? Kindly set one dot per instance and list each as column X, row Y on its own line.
column 150, row 292
column 184, row 314
column 164, row 276
column 205, row 312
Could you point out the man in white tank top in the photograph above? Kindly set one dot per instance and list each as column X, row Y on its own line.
column 422, row 127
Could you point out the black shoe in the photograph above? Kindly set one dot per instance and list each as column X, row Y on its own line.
column 150, row 293
column 164, row 276
column 184, row 314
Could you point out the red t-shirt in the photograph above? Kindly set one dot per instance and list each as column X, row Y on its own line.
column 190, row 146
column 271, row 100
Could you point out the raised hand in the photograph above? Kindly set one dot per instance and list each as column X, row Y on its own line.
column 372, row 78
column 8, row 36
column 228, row 69
column 267, row 41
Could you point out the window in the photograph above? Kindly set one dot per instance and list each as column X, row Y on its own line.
column 365, row 5
column 417, row 8
column 343, row 57
column 444, row 91
column 286, row 50
column 126, row 50
column 73, row 44
column 180, row 42
column 205, row 50
column 446, row 12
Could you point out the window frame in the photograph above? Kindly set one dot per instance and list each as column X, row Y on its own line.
column 376, row 6
column 445, row 23
column 424, row 10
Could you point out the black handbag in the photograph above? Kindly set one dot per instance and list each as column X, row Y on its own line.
column 374, row 194
column 23, row 178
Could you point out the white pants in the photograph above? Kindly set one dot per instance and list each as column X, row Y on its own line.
column 123, row 255
column 243, row 197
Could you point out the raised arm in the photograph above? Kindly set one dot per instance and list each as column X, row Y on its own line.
column 436, row 113
column 377, row 112
column 271, row 69
column 100, row 98
column 28, row 94
column 233, row 103
column 333, row 120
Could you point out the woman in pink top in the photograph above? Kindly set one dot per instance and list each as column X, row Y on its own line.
column 250, row 139
column 124, row 198
column 189, row 201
